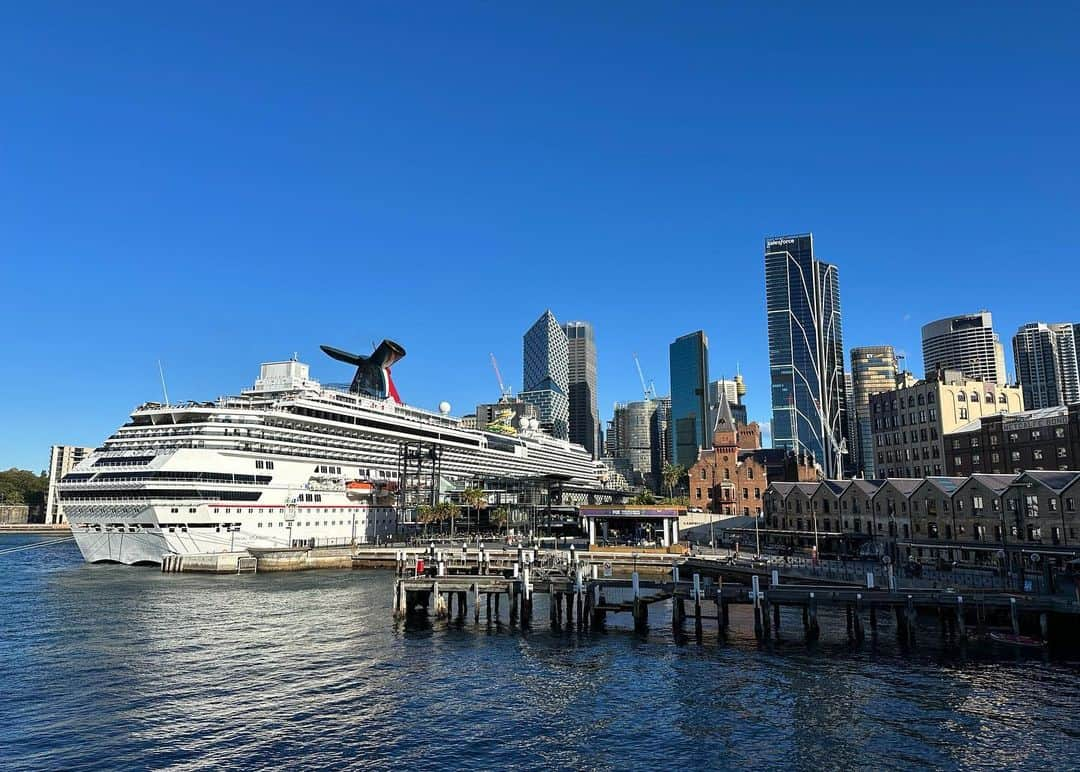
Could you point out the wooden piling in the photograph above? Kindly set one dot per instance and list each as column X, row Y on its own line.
column 873, row 621
column 911, row 619
column 697, row 620
column 476, row 603
column 1044, row 626
column 961, row 626
column 1014, row 616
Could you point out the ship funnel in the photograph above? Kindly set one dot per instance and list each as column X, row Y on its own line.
column 372, row 377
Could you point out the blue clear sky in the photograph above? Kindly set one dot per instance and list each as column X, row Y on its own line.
column 217, row 186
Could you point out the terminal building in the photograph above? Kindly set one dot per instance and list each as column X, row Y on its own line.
column 62, row 458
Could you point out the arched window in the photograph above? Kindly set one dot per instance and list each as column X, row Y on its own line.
column 974, row 396
column 961, row 397
column 1002, row 399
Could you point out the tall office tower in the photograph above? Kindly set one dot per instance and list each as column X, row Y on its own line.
column 662, row 417
column 584, row 415
column 1046, row 364
column 62, row 458
column 965, row 343
column 806, row 351
column 873, row 370
column 641, row 435
column 689, row 362
column 546, row 374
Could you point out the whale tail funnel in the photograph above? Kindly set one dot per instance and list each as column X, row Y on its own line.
column 372, row 378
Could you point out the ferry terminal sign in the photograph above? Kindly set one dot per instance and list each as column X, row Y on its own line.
column 629, row 512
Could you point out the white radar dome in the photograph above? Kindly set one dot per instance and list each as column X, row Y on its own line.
column 444, row 407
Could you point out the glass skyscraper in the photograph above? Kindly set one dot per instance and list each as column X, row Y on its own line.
column 689, row 362
column 1047, row 357
column 584, row 414
column 546, row 374
column 806, row 352
column 873, row 370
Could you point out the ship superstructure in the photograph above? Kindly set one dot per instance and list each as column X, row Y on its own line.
column 287, row 462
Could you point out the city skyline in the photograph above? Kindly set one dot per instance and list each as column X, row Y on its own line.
column 147, row 210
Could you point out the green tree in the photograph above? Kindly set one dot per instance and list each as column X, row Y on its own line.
column 499, row 517
column 672, row 475
column 475, row 499
column 645, row 497
column 21, row 486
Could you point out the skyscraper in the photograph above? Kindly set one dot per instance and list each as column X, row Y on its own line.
column 806, row 351
column 584, row 414
column 1046, row 364
column 873, row 370
column 546, row 374
column 966, row 343
column 689, row 362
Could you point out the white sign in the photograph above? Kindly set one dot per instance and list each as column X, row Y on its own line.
column 607, row 569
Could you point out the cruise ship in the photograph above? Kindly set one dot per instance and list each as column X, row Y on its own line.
column 290, row 462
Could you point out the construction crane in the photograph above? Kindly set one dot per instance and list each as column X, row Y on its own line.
column 504, row 391
column 650, row 390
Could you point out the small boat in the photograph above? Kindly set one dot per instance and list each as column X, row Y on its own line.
column 1020, row 641
column 357, row 488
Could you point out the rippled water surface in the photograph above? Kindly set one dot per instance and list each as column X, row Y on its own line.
column 116, row 667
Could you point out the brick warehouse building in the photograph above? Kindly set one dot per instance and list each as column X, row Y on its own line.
column 1048, row 438
column 981, row 520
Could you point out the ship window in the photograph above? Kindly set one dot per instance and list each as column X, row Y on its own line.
column 260, row 525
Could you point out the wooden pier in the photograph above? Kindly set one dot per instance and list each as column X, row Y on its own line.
column 444, row 586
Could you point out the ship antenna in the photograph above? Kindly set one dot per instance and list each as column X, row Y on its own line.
column 164, row 389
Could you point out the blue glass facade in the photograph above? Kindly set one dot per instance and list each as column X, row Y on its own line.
column 689, row 363
column 806, row 351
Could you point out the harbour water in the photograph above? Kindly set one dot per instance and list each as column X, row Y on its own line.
column 112, row 667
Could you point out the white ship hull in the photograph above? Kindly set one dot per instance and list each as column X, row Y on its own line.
column 288, row 463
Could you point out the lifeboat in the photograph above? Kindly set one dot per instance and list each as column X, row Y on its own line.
column 358, row 488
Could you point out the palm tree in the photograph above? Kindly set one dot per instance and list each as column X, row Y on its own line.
column 499, row 517
column 672, row 474
column 474, row 497
column 425, row 515
column 448, row 511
